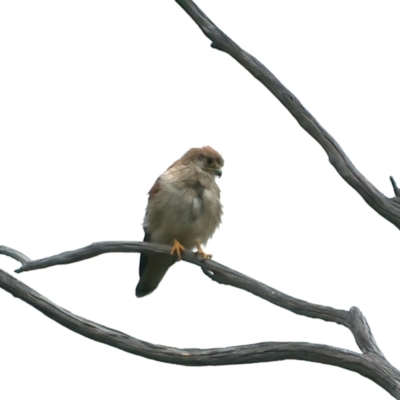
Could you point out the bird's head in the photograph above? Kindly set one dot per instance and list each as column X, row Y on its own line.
column 206, row 159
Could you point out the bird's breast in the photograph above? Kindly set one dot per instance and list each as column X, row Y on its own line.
column 187, row 213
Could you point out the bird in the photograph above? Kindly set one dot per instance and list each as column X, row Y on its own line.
column 183, row 211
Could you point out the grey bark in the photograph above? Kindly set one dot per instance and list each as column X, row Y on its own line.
column 370, row 363
column 388, row 208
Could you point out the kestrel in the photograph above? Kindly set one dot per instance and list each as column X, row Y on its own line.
column 183, row 211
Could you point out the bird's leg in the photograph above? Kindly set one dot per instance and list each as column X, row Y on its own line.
column 177, row 248
column 201, row 252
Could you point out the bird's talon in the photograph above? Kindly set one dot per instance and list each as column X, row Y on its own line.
column 177, row 248
column 202, row 253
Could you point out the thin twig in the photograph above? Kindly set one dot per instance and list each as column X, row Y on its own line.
column 395, row 188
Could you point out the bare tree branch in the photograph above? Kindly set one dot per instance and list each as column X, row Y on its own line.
column 215, row 271
column 371, row 364
column 388, row 208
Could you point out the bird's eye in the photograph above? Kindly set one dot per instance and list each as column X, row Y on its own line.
column 209, row 160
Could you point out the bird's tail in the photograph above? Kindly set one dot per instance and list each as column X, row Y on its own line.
column 152, row 269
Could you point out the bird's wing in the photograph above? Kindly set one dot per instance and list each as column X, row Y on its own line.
column 152, row 267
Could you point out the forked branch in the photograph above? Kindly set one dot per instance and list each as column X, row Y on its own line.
column 371, row 363
column 388, row 208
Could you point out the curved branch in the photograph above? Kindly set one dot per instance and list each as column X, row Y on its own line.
column 15, row 254
column 353, row 319
column 371, row 364
column 386, row 207
column 218, row 273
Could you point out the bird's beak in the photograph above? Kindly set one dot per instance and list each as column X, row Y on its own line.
column 218, row 172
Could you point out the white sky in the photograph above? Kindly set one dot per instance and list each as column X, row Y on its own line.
column 98, row 98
